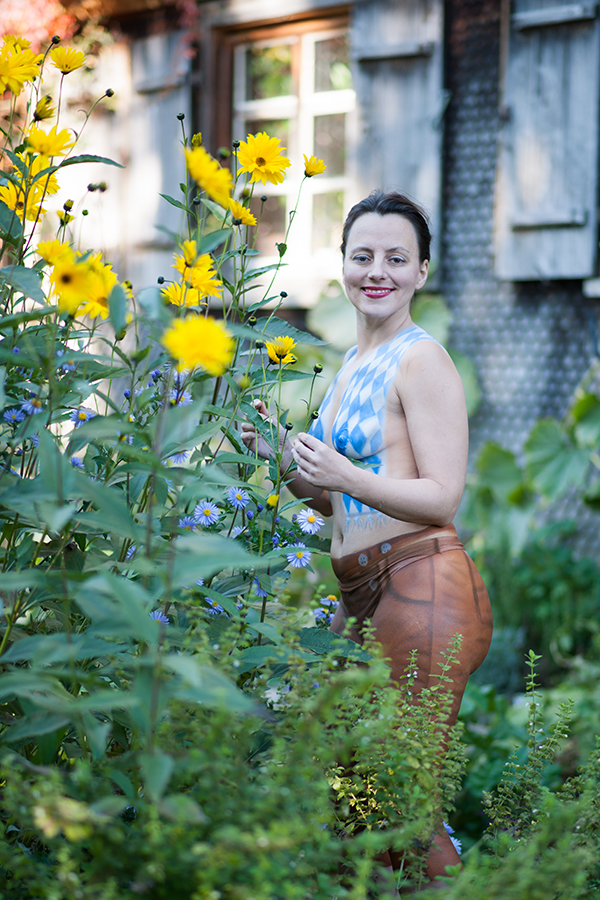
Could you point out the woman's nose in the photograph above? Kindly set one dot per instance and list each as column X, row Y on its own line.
column 376, row 268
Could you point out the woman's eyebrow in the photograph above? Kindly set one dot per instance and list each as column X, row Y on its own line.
column 388, row 249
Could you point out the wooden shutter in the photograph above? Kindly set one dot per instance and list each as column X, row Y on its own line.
column 546, row 200
column 160, row 90
column 397, row 51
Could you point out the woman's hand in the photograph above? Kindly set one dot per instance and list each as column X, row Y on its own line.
column 256, row 443
column 320, row 465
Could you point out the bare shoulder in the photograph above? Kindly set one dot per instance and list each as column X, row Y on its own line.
column 426, row 366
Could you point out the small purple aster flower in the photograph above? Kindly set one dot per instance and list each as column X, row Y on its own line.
column 131, row 552
column 249, row 514
column 299, row 557
column 179, row 458
column 78, row 463
column 81, row 415
column 127, row 393
column 214, row 608
column 159, row 616
column 16, row 351
column 238, row 497
column 259, row 507
column 12, row 416
column 309, row 521
column 200, row 582
column 455, row 841
column 294, row 518
column 156, row 374
column 206, row 513
column 180, row 398
column 259, row 589
column 33, row 406
column 69, row 365
column 277, row 520
column 35, row 440
column 188, row 523
column 323, row 615
column 237, row 530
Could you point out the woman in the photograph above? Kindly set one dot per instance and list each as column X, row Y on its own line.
column 397, row 407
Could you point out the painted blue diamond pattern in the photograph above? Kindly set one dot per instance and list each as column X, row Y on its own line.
column 358, row 429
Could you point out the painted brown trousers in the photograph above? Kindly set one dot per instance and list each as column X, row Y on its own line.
column 418, row 591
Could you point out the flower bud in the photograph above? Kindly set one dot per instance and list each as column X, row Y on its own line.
column 317, row 368
column 288, row 426
column 235, row 145
column 55, row 39
column 68, row 205
column 109, row 92
column 181, row 116
column 252, row 321
column 283, row 294
column 264, row 198
column 314, row 415
column 260, row 345
column 160, row 279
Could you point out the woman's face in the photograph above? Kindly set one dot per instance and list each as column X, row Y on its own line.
column 382, row 269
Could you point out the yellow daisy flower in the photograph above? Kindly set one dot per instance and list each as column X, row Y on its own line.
column 313, row 166
column 53, row 251
column 208, row 174
column 279, row 350
column 67, row 59
column 103, row 281
column 260, row 156
column 238, row 211
column 72, row 282
column 272, row 500
column 18, row 65
column 199, row 341
column 16, row 43
column 181, row 295
column 14, row 198
column 44, row 109
column 49, row 143
column 48, row 184
column 199, row 274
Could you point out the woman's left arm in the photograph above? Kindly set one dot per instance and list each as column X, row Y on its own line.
column 432, row 397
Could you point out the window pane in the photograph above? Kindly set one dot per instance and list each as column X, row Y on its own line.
column 268, row 72
column 279, row 128
column 332, row 72
column 330, row 142
column 273, row 222
column 328, row 212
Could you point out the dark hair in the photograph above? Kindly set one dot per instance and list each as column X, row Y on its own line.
column 392, row 203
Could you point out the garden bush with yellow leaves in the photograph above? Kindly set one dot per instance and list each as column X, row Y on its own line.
column 168, row 725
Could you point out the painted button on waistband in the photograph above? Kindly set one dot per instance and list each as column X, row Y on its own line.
column 363, row 559
column 385, row 548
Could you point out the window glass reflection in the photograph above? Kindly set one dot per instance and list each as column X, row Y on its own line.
column 330, row 142
column 268, row 72
column 279, row 128
column 272, row 222
column 332, row 70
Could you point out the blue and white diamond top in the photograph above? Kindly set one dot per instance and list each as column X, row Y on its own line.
column 358, row 429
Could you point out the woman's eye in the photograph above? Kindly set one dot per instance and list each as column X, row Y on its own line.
column 361, row 257
column 397, row 259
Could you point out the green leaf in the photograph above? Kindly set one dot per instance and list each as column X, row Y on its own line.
column 181, row 808
column 554, row 465
column 151, row 301
column 498, row 470
column 157, row 769
column 276, row 327
column 205, row 684
column 586, row 413
column 23, row 280
column 322, row 641
column 88, row 157
column 38, row 723
column 214, row 208
column 204, row 555
column 46, row 649
column 117, row 309
column 267, row 629
column 213, row 240
column 9, row 222
column 2, row 393
column 176, row 203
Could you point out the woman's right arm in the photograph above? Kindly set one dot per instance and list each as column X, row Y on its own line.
column 318, row 498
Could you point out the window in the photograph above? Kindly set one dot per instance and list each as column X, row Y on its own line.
column 295, row 84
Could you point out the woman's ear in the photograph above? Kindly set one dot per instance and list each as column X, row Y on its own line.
column 423, row 273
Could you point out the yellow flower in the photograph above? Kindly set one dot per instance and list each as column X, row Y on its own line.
column 279, row 350
column 44, row 109
column 199, row 341
column 241, row 212
column 199, row 273
column 16, row 43
column 260, row 156
column 47, row 184
column 67, row 59
column 197, row 139
column 313, row 166
column 272, row 500
column 103, row 280
column 17, row 65
column 208, row 174
column 72, row 282
column 14, row 198
column 181, row 295
column 49, row 143
column 53, row 251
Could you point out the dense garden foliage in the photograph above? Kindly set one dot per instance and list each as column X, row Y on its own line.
column 171, row 724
